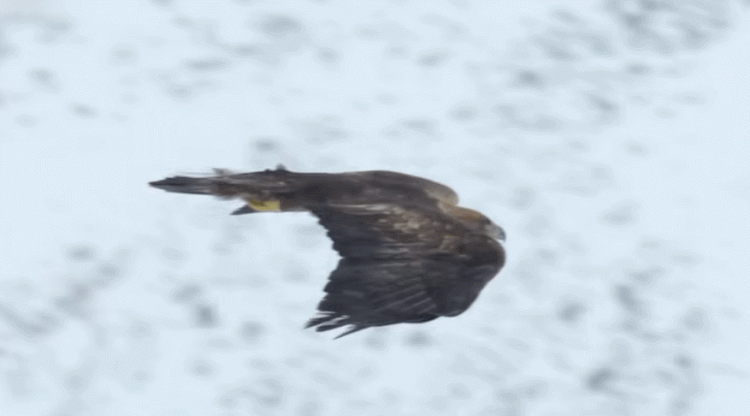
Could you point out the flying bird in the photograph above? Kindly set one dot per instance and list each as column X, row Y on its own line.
column 408, row 252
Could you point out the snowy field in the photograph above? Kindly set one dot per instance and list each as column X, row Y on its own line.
column 607, row 137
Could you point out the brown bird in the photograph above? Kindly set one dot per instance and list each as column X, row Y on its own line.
column 409, row 253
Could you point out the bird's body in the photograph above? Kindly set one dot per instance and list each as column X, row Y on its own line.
column 409, row 252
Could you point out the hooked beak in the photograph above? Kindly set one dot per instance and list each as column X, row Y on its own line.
column 495, row 231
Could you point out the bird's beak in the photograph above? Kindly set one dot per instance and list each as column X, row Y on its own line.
column 495, row 231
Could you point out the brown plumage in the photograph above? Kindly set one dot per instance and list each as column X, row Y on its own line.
column 409, row 252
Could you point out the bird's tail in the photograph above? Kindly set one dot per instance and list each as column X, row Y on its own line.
column 259, row 189
column 187, row 185
column 214, row 185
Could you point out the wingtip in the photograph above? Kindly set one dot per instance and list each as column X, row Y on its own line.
column 327, row 322
column 353, row 329
column 314, row 322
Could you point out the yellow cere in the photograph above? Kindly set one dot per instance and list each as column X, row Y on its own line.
column 271, row 205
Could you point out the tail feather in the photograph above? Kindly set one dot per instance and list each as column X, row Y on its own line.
column 265, row 190
column 187, row 185
column 220, row 186
column 227, row 183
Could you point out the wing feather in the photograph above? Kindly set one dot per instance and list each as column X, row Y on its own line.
column 400, row 263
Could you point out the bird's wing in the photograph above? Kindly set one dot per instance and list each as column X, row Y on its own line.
column 400, row 264
column 409, row 184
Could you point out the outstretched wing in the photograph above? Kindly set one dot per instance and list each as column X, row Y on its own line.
column 400, row 264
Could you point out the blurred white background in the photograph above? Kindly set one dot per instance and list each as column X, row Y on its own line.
column 609, row 138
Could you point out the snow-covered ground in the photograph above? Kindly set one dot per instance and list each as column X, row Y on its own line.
column 609, row 138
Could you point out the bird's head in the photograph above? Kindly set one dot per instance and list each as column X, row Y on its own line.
column 493, row 230
column 477, row 221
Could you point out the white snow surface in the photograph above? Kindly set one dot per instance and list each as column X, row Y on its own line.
column 609, row 138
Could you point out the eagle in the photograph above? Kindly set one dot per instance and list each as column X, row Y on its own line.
column 409, row 253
